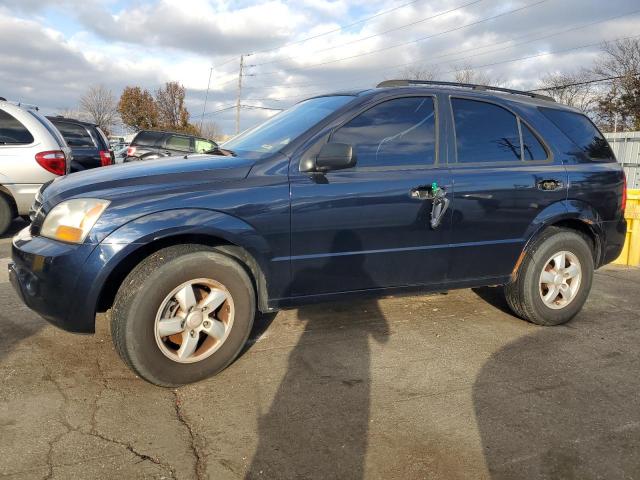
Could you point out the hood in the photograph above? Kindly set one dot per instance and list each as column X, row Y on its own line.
column 117, row 181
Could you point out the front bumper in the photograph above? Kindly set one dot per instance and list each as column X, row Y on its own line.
column 47, row 276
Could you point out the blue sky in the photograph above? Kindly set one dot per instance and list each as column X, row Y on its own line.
column 51, row 51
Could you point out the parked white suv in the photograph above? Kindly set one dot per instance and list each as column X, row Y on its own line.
column 32, row 152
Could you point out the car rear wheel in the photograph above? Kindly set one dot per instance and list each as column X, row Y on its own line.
column 6, row 215
column 182, row 315
column 554, row 278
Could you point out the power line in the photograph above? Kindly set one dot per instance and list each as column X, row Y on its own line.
column 308, row 95
column 343, row 27
column 375, row 35
column 587, row 82
column 477, row 22
column 475, row 49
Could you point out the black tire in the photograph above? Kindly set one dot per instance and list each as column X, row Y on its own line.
column 143, row 291
column 6, row 214
column 523, row 294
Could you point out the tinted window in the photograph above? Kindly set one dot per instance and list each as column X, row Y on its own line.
column 75, row 135
column 176, row 142
column 531, row 146
column 204, row 145
column 12, row 131
column 396, row 132
column 580, row 131
column 485, row 132
column 147, row 138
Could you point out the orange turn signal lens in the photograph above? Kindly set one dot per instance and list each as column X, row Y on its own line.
column 69, row 234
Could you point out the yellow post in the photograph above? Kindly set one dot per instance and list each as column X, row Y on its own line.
column 631, row 252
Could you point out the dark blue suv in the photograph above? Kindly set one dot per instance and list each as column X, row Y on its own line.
column 410, row 186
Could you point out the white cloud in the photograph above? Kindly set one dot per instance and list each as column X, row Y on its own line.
column 149, row 42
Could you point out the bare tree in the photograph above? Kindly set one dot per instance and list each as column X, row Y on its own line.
column 211, row 130
column 100, row 106
column 419, row 72
column 73, row 113
column 467, row 74
column 571, row 89
column 620, row 105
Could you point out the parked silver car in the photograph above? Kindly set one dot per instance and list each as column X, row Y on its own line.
column 32, row 152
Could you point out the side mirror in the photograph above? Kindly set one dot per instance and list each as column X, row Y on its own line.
column 334, row 156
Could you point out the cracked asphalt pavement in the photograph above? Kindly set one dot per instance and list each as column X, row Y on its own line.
column 441, row 386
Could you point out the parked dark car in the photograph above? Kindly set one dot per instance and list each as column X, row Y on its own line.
column 411, row 186
column 88, row 143
column 151, row 144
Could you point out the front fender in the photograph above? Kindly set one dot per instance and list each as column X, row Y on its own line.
column 142, row 231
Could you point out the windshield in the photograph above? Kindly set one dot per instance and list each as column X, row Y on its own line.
column 279, row 130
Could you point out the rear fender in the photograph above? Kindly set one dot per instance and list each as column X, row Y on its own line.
column 559, row 213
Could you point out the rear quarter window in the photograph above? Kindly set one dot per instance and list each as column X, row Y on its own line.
column 582, row 132
column 12, row 132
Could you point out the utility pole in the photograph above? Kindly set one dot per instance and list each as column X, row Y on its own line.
column 239, row 94
column 206, row 97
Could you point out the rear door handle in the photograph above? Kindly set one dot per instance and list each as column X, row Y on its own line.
column 549, row 184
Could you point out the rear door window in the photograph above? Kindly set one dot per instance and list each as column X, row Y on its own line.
column 76, row 135
column 398, row 132
column 485, row 132
column 148, row 138
column 12, row 132
column 532, row 149
column 178, row 142
column 582, row 132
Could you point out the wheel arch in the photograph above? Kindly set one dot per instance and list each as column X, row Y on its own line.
column 118, row 254
column 117, row 275
column 6, row 193
column 574, row 215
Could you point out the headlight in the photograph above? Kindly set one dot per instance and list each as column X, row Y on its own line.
column 71, row 221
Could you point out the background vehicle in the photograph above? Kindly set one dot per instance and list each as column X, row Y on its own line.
column 150, row 144
column 88, row 143
column 32, row 152
column 120, row 152
column 412, row 186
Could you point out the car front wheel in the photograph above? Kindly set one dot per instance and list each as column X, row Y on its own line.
column 554, row 278
column 182, row 315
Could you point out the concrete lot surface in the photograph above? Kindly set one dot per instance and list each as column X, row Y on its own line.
column 444, row 386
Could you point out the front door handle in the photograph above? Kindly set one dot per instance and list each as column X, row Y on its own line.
column 549, row 185
column 440, row 201
column 427, row 192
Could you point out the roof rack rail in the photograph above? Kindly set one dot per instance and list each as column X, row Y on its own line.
column 472, row 86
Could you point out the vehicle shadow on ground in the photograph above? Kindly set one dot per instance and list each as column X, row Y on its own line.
column 14, row 329
column 494, row 296
column 317, row 425
column 563, row 402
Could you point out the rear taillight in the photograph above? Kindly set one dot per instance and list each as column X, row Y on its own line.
column 624, row 193
column 53, row 161
column 131, row 151
column 105, row 158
